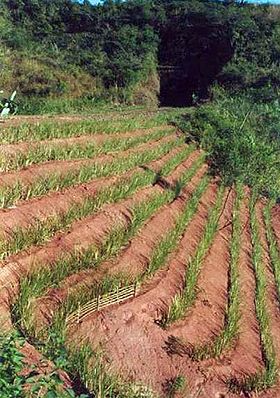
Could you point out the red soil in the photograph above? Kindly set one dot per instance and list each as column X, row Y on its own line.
column 276, row 222
column 134, row 344
column 134, row 259
column 27, row 212
column 9, row 150
column 87, row 232
column 30, row 174
column 120, row 328
column 207, row 314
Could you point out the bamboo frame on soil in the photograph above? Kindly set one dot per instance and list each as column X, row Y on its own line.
column 102, row 301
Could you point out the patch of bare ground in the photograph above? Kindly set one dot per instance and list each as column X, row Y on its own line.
column 84, row 233
column 128, row 333
column 32, row 173
column 208, row 312
column 10, row 150
column 276, row 222
column 38, row 209
column 133, row 259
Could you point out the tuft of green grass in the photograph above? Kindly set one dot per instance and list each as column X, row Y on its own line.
column 42, row 231
column 267, row 378
column 170, row 241
column 274, row 252
column 232, row 315
column 53, row 152
column 185, row 299
column 12, row 194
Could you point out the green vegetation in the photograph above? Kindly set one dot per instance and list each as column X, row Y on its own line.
column 273, row 245
column 116, row 123
column 241, row 139
column 55, row 182
column 36, row 284
column 52, row 151
column 170, row 241
column 184, row 300
column 267, row 378
column 110, row 53
column 13, row 380
column 42, row 231
column 232, row 316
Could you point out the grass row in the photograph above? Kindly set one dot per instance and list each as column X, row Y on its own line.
column 10, row 195
column 232, row 315
column 56, row 129
column 267, row 378
column 36, row 284
column 52, row 152
column 82, row 363
column 274, row 252
column 42, row 230
column 185, row 299
column 160, row 255
column 84, row 355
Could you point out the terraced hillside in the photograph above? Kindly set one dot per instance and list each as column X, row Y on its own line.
column 89, row 208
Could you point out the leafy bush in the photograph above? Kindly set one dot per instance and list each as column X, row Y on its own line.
column 241, row 139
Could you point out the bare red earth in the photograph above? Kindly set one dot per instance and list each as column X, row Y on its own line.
column 27, row 212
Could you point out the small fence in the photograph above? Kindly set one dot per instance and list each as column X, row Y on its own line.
column 102, row 301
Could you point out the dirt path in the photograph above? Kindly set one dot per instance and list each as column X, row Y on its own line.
column 276, row 222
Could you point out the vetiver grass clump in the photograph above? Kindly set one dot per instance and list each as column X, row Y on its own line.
column 185, row 299
column 109, row 283
column 267, row 378
column 85, row 366
column 232, row 315
column 52, row 152
column 37, row 283
column 12, row 194
column 42, row 231
column 51, row 130
column 274, row 252
column 168, row 243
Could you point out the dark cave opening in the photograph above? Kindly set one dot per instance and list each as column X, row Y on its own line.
column 191, row 58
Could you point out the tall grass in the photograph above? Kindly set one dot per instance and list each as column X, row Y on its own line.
column 232, row 315
column 44, row 130
column 267, row 378
column 37, row 283
column 159, row 258
column 9, row 195
column 52, row 152
column 274, row 252
column 168, row 243
column 185, row 299
column 42, row 231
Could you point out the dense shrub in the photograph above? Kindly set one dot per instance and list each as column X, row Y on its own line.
column 241, row 138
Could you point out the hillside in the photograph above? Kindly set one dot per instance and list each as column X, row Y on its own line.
column 135, row 52
column 130, row 268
